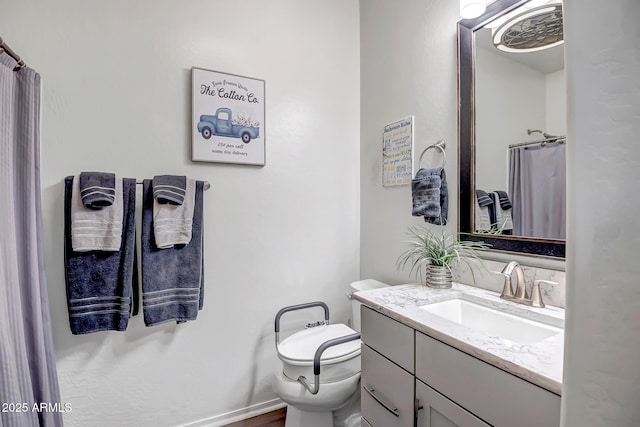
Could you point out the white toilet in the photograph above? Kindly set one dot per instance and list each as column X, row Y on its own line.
column 337, row 399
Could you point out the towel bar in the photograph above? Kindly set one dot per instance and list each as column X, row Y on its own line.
column 206, row 185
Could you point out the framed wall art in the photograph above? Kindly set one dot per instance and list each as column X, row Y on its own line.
column 397, row 153
column 228, row 118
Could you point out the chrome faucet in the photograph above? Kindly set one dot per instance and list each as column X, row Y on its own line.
column 520, row 296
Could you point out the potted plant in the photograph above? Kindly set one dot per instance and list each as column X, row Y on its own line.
column 435, row 254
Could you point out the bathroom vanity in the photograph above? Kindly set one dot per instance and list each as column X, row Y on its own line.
column 437, row 358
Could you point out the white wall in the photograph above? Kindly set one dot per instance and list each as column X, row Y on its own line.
column 117, row 98
column 510, row 98
column 556, row 101
column 408, row 67
column 601, row 385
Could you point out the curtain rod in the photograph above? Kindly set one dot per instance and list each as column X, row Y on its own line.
column 543, row 142
column 19, row 62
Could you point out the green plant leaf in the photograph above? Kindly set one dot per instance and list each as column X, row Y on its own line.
column 425, row 247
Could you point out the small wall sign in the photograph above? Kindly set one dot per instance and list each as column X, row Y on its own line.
column 227, row 118
column 397, row 153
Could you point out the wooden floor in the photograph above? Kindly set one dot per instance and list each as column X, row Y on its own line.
column 270, row 419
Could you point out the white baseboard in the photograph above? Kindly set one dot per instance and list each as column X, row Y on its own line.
column 239, row 414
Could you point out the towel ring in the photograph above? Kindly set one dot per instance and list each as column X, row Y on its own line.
column 440, row 145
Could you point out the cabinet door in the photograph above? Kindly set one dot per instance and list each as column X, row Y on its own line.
column 435, row 410
column 387, row 391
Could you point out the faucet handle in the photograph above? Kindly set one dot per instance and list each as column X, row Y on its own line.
column 507, row 289
column 536, row 295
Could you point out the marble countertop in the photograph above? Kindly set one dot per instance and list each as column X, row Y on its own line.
column 539, row 363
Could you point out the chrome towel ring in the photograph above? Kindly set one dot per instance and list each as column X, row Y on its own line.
column 440, row 145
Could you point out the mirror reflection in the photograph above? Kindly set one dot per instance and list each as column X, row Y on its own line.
column 520, row 123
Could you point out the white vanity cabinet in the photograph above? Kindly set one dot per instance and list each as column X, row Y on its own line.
column 411, row 379
column 387, row 380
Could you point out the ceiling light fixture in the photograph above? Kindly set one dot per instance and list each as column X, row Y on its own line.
column 472, row 8
column 536, row 29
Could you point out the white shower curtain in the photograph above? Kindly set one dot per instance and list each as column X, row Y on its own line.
column 537, row 185
column 27, row 364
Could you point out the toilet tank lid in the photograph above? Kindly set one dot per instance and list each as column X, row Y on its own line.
column 366, row 284
column 300, row 348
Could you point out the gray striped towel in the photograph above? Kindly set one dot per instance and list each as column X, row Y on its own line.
column 96, row 229
column 483, row 198
column 169, row 189
column 97, row 189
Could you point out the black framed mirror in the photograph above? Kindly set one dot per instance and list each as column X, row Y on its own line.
column 470, row 38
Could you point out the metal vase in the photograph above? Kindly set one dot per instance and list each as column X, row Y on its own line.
column 438, row 277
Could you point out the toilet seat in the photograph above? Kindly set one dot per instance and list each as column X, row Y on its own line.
column 300, row 348
column 338, row 362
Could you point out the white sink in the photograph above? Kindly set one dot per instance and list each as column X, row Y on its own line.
column 492, row 322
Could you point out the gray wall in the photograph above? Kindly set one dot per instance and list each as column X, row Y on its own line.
column 408, row 67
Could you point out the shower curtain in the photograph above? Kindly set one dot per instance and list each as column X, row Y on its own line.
column 537, row 185
column 27, row 364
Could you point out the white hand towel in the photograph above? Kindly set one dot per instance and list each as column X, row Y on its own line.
column 96, row 230
column 172, row 224
column 482, row 220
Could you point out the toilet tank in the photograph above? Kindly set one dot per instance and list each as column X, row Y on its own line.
column 360, row 285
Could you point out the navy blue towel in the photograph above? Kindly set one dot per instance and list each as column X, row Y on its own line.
column 169, row 188
column 430, row 195
column 97, row 189
column 101, row 286
column 483, row 198
column 505, row 202
column 172, row 278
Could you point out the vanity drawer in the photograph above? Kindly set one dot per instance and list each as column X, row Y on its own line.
column 501, row 399
column 388, row 337
column 387, row 391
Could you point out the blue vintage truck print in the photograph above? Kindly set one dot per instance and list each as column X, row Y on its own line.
column 222, row 124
